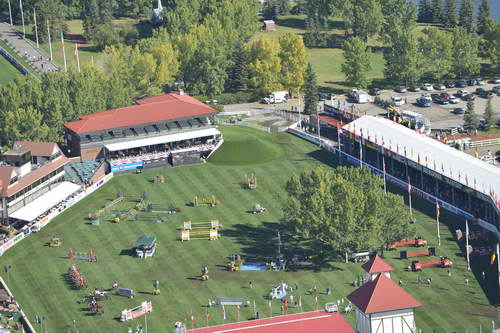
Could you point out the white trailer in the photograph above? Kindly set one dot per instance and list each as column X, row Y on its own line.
column 276, row 97
column 360, row 96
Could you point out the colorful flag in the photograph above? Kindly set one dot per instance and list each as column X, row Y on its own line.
column 339, row 131
column 437, row 208
column 493, row 258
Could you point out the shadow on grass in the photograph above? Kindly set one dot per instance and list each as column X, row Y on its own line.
column 292, row 22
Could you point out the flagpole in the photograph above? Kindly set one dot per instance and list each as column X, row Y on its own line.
column 10, row 12
column 498, row 263
column 437, row 223
column 22, row 17
column 317, row 118
column 77, row 58
column 64, row 52
column 409, row 197
column 50, row 41
column 36, row 29
column 467, row 243
column 385, row 181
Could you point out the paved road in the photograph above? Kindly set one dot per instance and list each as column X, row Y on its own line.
column 24, row 49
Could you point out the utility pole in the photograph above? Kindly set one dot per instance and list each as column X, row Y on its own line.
column 22, row 17
column 50, row 41
column 64, row 52
column 36, row 29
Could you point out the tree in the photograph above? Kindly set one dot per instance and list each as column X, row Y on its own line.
column 270, row 10
column 356, row 62
column 264, row 64
column 437, row 50
column 483, row 16
column 437, row 11
column 465, row 52
column 492, row 43
column 394, row 220
column 363, row 17
column 489, row 121
column 293, row 58
column 466, row 16
column 402, row 57
column 450, row 13
column 24, row 124
column 318, row 13
column 53, row 12
column 311, row 97
column 397, row 14
column 343, row 210
column 424, row 11
column 236, row 73
column 471, row 119
column 167, row 66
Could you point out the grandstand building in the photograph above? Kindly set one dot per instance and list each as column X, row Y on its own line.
column 171, row 129
column 460, row 183
column 27, row 173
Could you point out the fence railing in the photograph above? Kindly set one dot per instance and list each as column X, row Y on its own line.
column 14, row 61
column 485, row 143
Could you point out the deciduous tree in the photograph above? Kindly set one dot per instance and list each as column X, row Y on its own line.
column 402, row 58
column 294, row 61
column 437, row 50
column 264, row 64
column 363, row 17
column 356, row 62
column 465, row 52
column 24, row 124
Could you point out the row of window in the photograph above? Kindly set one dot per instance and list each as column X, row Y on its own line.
column 35, row 184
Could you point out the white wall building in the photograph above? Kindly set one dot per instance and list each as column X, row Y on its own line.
column 375, row 266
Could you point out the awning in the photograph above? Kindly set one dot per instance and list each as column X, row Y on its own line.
column 50, row 199
column 162, row 139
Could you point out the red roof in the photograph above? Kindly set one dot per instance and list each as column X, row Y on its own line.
column 380, row 295
column 148, row 110
column 376, row 265
column 45, row 149
column 330, row 121
column 316, row 321
column 5, row 176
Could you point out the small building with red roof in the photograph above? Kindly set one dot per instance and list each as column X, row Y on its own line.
column 375, row 266
column 384, row 307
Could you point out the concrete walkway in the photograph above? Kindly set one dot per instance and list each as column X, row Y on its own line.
column 38, row 62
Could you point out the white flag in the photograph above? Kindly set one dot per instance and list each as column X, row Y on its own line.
column 224, row 312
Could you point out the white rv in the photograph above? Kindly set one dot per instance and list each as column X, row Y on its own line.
column 276, row 97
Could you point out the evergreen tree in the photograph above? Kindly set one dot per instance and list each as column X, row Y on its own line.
column 471, row 119
column 237, row 74
column 424, row 11
column 311, row 98
column 270, row 10
column 450, row 13
column 489, row 121
column 466, row 16
column 51, row 11
column 483, row 16
column 364, row 18
column 356, row 62
column 437, row 11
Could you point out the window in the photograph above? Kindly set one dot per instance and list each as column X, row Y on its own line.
column 111, row 134
column 133, row 131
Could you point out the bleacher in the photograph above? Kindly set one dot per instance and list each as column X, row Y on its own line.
column 80, row 172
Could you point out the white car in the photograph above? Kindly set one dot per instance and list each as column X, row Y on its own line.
column 462, row 93
column 440, row 87
column 453, row 100
column 398, row 101
column 481, row 82
column 427, row 87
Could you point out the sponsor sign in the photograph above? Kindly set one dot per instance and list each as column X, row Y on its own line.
column 43, row 221
column 127, row 166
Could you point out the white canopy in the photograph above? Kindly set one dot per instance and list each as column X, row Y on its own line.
column 50, row 199
column 162, row 139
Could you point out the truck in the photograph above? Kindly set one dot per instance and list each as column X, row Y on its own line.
column 359, row 96
column 276, row 97
column 443, row 262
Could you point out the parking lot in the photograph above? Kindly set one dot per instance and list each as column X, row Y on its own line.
column 440, row 116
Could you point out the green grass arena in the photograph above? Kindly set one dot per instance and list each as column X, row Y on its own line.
column 37, row 275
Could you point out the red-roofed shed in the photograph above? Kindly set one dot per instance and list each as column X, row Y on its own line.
column 382, row 303
column 375, row 266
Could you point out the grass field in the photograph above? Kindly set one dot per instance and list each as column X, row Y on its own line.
column 7, row 71
column 37, row 274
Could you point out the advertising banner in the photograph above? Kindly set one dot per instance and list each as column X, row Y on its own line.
column 127, row 166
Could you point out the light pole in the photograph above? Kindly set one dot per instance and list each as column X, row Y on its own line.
column 10, row 12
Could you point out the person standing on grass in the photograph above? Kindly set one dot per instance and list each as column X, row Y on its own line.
column 449, row 272
column 466, row 280
column 250, row 285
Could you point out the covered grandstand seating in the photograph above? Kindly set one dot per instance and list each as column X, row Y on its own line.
column 80, row 172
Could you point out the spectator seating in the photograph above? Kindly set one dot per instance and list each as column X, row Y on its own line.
column 80, row 172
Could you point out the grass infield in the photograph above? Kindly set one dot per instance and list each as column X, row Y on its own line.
column 37, row 275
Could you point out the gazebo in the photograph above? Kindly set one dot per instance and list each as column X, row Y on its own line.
column 375, row 266
column 269, row 25
column 384, row 307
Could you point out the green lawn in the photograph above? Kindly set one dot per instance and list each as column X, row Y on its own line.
column 8, row 72
column 37, row 274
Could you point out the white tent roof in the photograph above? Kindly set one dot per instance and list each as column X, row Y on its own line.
column 162, row 139
column 50, row 199
column 439, row 155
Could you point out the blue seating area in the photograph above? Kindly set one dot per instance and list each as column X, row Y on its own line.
column 80, row 172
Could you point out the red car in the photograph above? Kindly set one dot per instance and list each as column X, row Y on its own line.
column 445, row 95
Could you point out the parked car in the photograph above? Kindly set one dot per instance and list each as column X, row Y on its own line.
column 445, row 95
column 427, row 87
column 495, row 80
column 480, row 82
column 322, row 96
column 439, row 87
column 496, row 89
column 481, row 92
column 415, row 88
column 469, row 97
column 453, row 100
column 458, row 111
column 461, row 84
column 401, row 89
column 472, row 82
column 436, row 98
column 398, row 101
column 375, row 91
column 333, row 96
column 462, row 93
column 423, row 102
column 449, row 84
